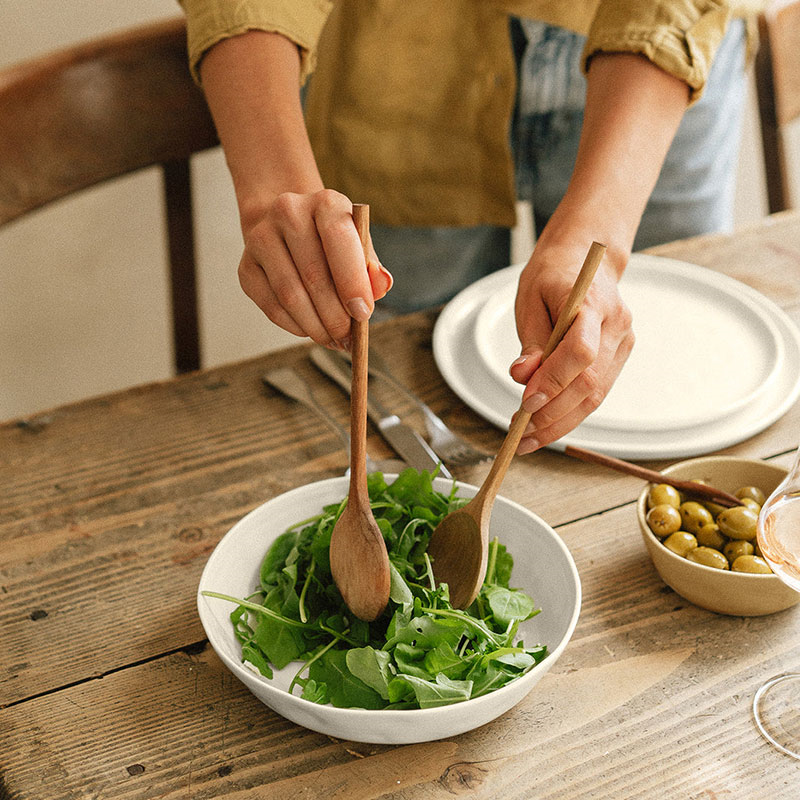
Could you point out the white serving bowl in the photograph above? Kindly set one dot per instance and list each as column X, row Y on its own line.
column 542, row 566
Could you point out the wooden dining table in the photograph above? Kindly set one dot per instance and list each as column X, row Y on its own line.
column 110, row 507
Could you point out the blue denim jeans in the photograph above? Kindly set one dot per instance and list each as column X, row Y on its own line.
column 693, row 195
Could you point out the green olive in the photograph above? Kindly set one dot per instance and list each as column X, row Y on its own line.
column 714, row 508
column 751, row 564
column 753, row 492
column 738, row 522
column 750, row 503
column 736, row 548
column 663, row 520
column 680, row 542
column 708, row 557
column 709, row 536
column 663, row 494
column 694, row 515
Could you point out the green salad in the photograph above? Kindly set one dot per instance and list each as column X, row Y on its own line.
column 420, row 652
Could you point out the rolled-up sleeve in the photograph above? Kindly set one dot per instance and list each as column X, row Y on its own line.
column 680, row 36
column 210, row 21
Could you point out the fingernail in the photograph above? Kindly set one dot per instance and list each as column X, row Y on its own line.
column 520, row 360
column 533, row 403
column 387, row 274
column 358, row 309
column 528, row 445
column 344, row 344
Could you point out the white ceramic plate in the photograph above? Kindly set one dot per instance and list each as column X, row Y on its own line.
column 708, row 323
column 642, row 421
column 542, row 566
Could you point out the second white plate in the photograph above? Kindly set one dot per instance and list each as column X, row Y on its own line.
column 463, row 358
column 705, row 349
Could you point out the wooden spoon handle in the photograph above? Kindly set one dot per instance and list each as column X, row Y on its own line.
column 521, row 419
column 359, row 351
column 689, row 487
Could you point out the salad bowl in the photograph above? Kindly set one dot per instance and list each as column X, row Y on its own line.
column 543, row 568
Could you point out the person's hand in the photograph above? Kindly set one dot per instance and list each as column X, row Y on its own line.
column 576, row 377
column 303, row 266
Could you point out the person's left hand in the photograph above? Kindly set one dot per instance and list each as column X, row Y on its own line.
column 572, row 382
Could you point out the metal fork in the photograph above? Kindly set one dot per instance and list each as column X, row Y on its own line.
column 448, row 445
column 289, row 382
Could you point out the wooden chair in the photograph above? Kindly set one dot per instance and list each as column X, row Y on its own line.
column 100, row 110
column 777, row 71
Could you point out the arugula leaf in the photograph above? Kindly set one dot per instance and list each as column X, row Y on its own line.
column 398, row 588
column 344, row 689
column 439, row 692
column 410, row 660
column 276, row 558
column 255, row 656
column 504, row 564
column 372, row 666
column 509, row 605
column 315, row 692
column 426, row 632
column 442, row 659
column 488, row 679
column 280, row 643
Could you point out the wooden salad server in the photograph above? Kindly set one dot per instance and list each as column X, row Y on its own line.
column 691, row 488
column 359, row 561
column 459, row 546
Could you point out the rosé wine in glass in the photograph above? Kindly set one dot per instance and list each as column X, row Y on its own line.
column 776, row 705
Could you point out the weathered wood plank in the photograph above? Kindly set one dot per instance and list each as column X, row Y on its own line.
column 644, row 668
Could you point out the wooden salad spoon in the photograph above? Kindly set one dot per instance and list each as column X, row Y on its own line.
column 359, row 561
column 691, row 488
column 459, row 546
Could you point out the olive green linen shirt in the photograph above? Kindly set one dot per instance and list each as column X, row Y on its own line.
column 411, row 100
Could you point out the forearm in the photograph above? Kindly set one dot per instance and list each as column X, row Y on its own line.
column 251, row 84
column 632, row 111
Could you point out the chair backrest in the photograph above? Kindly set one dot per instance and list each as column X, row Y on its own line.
column 100, row 110
column 777, row 71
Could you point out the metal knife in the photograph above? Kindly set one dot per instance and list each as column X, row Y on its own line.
column 290, row 383
column 408, row 444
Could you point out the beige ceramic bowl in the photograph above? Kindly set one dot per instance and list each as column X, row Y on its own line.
column 723, row 591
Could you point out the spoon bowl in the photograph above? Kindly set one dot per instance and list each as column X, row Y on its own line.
column 458, row 554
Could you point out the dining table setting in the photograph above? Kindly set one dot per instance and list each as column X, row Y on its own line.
column 131, row 523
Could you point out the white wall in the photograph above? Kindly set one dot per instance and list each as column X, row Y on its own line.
column 83, row 288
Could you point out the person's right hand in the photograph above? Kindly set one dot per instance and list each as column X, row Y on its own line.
column 304, row 267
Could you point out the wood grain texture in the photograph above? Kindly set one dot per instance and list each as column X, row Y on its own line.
column 111, row 506
column 647, row 679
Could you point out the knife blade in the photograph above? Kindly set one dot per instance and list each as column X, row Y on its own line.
column 289, row 382
column 406, row 442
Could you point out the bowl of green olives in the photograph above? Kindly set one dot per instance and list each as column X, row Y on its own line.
column 709, row 554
